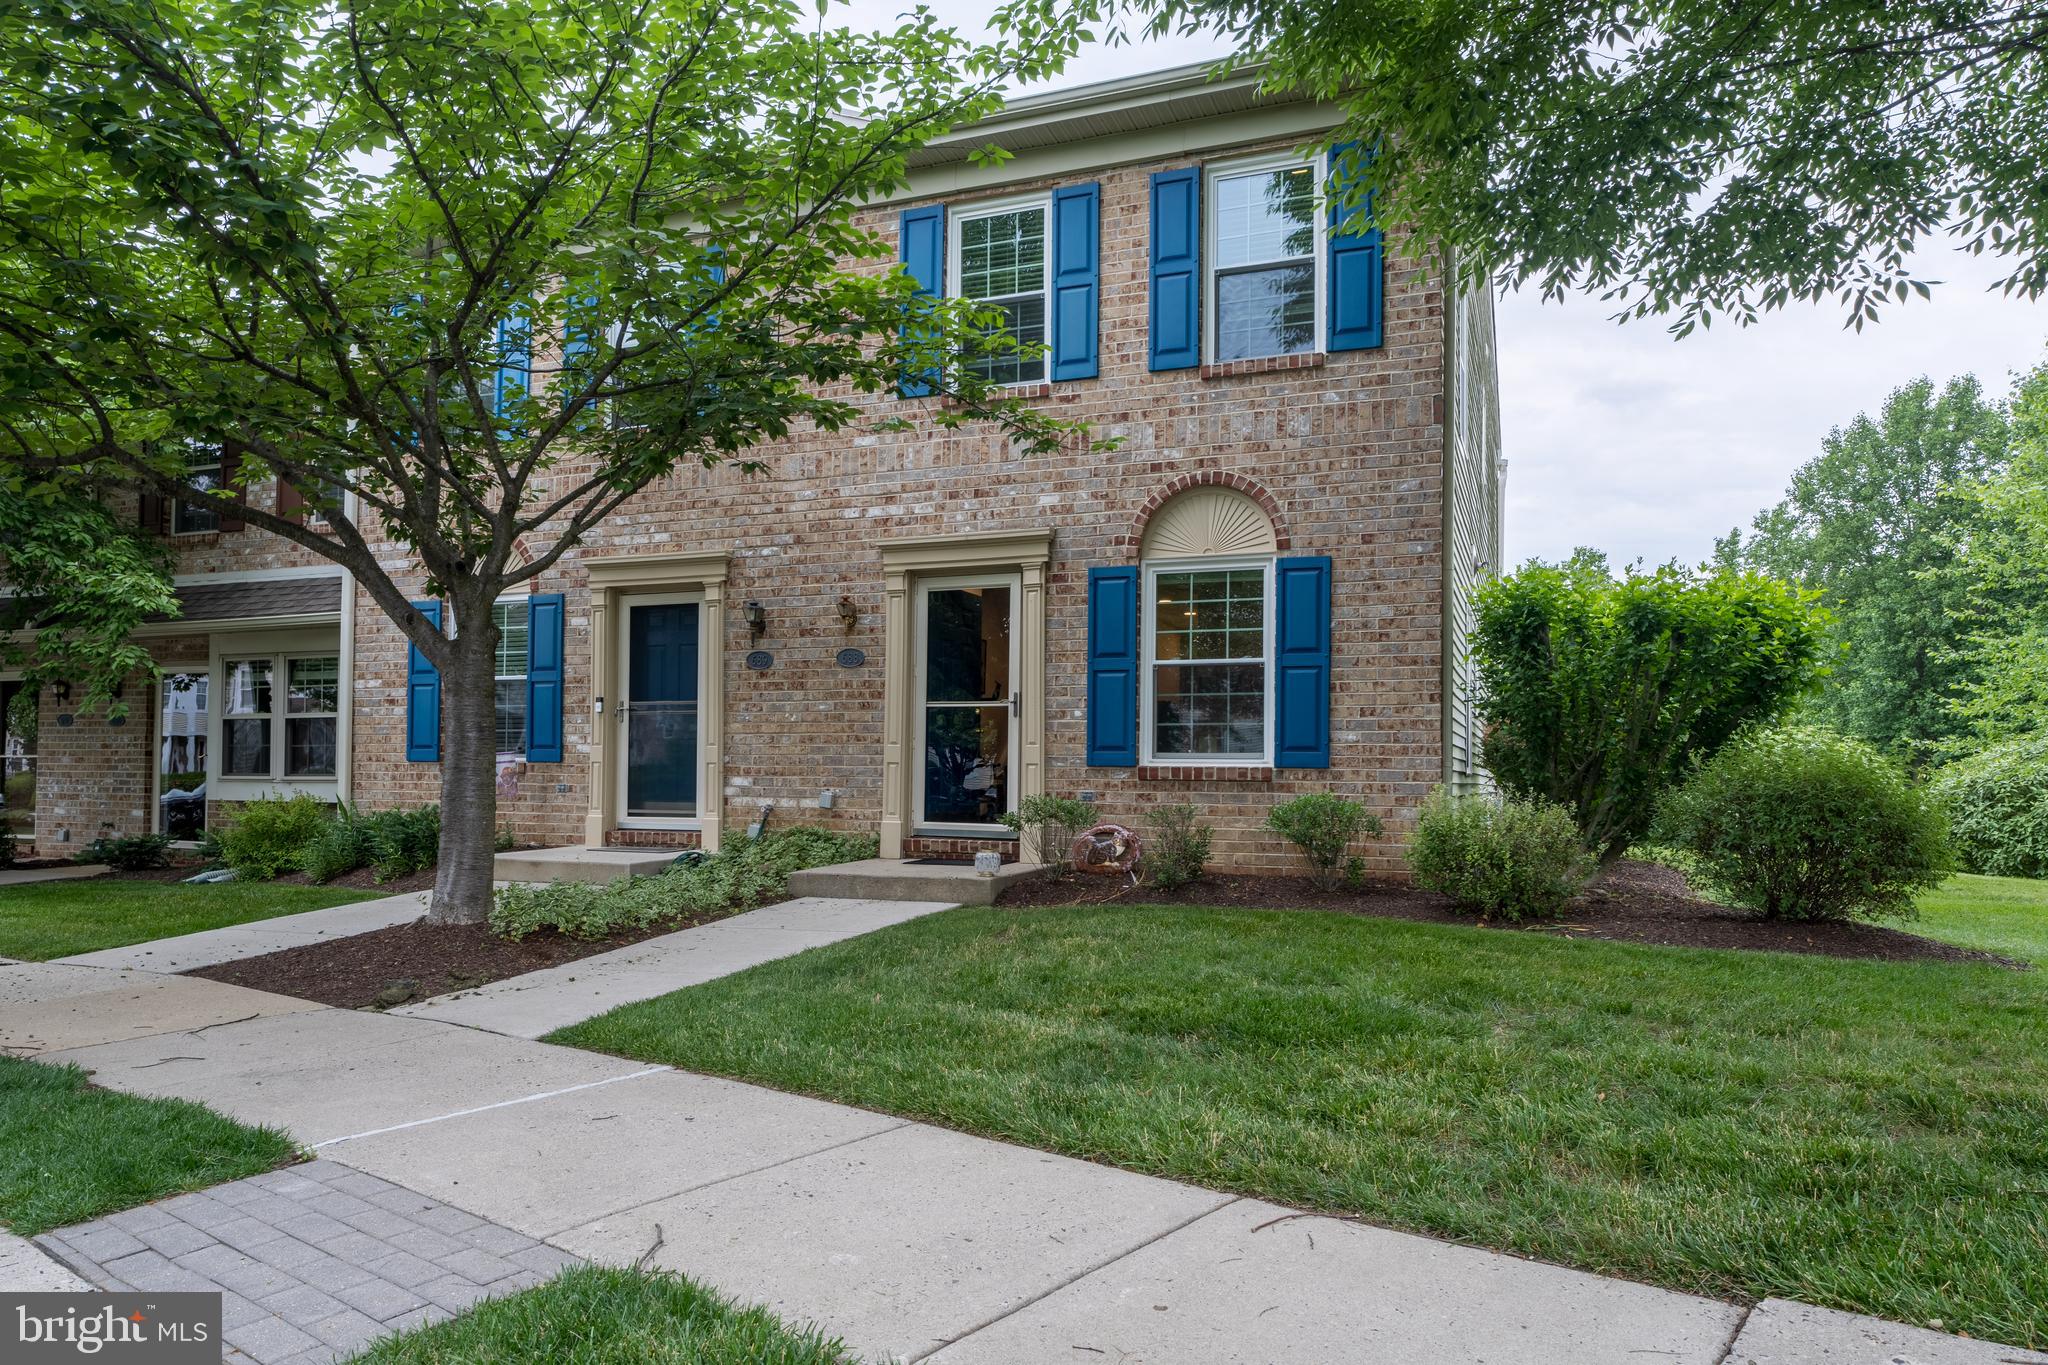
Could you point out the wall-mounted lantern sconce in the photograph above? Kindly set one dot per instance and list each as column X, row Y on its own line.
column 849, row 614
column 63, row 692
column 757, row 619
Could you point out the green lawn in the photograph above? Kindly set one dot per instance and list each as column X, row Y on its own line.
column 595, row 1315
column 69, row 1152
column 1858, row 1134
column 56, row 919
column 2006, row 915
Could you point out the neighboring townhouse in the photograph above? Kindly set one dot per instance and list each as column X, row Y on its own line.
column 1258, row 593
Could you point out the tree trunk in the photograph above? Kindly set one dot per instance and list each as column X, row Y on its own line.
column 469, row 779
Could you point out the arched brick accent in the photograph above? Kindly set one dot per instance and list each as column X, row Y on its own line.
column 1205, row 478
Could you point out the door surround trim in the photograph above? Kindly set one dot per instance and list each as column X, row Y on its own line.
column 612, row 577
column 1028, row 554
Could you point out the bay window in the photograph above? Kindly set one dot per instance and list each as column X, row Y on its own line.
column 280, row 716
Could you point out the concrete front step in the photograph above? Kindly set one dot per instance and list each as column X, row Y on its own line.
column 890, row 879
column 575, row 863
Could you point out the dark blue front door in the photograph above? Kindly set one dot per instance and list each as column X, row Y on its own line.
column 661, row 710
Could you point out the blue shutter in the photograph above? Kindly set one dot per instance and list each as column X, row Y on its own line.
column 544, row 678
column 1176, row 312
column 1301, row 662
column 1356, row 268
column 1113, row 668
column 921, row 239
column 1076, row 281
column 423, row 696
column 515, row 364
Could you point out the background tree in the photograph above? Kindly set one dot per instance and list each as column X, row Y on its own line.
column 1598, row 692
column 1698, row 157
column 468, row 277
column 2004, row 559
column 1874, row 523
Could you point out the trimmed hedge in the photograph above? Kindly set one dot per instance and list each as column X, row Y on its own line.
column 1501, row 857
column 1801, row 823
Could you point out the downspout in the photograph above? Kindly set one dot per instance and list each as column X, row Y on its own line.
column 345, row 723
column 1447, row 625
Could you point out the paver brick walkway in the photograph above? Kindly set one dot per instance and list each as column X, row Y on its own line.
column 312, row 1263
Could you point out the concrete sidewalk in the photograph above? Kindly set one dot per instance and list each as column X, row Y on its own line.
column 538, row 1003
column 210, row 947
column 911, row 1241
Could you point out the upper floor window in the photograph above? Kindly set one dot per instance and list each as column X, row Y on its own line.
column 999, row 258
column 1264, row 267
column 202, row 470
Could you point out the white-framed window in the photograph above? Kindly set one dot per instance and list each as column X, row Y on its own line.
column 18, row 729
column 202, row 470
column 278, row 718
column 1265, row 233
column 511, row 619
column 1207, row 641
column 312, row 712
column 1000, row 257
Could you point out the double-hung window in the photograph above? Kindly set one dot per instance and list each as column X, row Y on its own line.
column 256, row 733
column 202, row 470
column 1264, row 298
column 512, row 656
column 999, row 259
column 312, row 708
column 1207, row 646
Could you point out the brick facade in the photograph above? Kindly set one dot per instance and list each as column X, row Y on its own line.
column 1346, row 453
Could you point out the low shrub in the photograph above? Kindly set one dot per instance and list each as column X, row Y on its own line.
column 128, row 853
column 8, row 853
column 1801, row 823
column 1517, row 860
column 341, row 846
column 266, row 835
column 1997, row 803
column 1322, row 825
column 1055, row 822
column 743, row 874
column 1178, row 848
column 402, row 842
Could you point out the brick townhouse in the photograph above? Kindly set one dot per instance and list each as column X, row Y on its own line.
column 1258, row 593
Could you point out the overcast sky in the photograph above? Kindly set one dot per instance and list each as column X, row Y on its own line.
column 1621, row 438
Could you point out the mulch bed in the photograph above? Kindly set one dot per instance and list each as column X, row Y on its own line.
column 414, row 961
column 1629, row 902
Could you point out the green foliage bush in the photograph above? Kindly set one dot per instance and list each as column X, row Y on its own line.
column 265, row 836
column 1997, row 804
column 1322, row 825
column 742, row 874
column 1509, row 858
column 1801, row 823
column 1178, row 847
column 1054, row 821
column 1598, row 693
column 341, row 846
column 402, row 842
column 129, row 853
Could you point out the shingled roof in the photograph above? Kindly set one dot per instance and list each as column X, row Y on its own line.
column 253, row 600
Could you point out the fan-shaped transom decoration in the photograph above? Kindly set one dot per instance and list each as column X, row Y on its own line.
column 1209, row 521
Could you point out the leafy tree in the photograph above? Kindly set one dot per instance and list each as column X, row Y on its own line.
column 1700, row 157
column 1873, row 523
column 2005, row 561
column 1598, row 692
column 468, row 277
column 79, row 584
